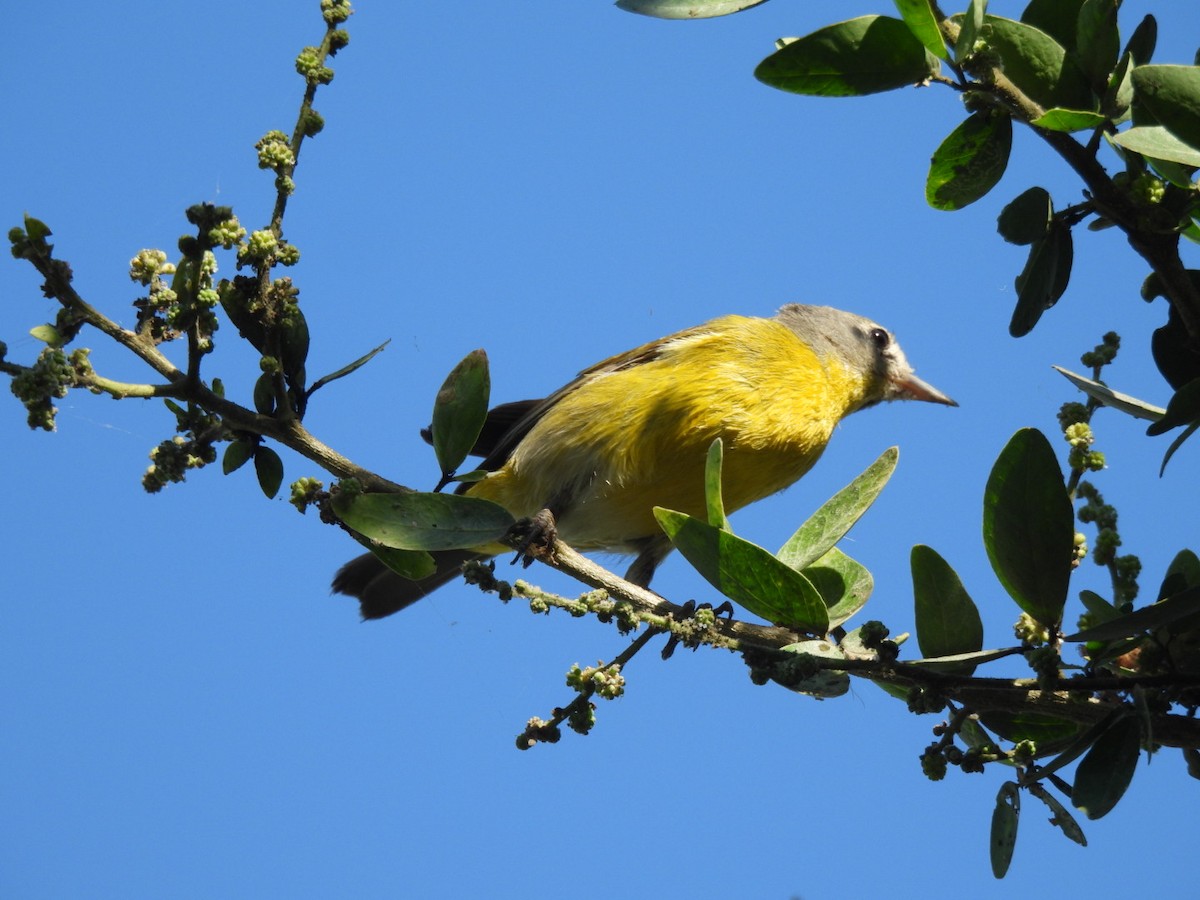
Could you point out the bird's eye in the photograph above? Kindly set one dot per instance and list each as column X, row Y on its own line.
column 880, row 338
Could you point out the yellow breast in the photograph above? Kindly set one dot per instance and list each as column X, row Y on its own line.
column 625, row 441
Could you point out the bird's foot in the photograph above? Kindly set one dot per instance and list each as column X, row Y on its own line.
column 534, row 537
column 690, row 636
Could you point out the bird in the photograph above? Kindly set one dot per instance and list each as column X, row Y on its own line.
column 632, row 433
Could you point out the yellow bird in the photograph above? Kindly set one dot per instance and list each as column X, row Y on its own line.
column 633, row 432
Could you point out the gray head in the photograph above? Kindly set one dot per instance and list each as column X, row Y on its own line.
column 863, row 346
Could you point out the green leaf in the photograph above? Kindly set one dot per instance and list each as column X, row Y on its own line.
column 47, row 334
column 1043, row 728
column 1157, row 142
column 971, row 27
column 1142, row 41
column 1102, row 393
column 1118, row 93
column 1027, row 217
column 837, row 515
column 293, row 344
column 919, row 18
column 36, row 229
column 264, row 394
column 959, row 662
column 1004, row 828
column 269, row 469
column 1044, row 279
column 1059, row 119
column 1061, row 818
column 1165, row 612
column 686, row 9
column 1176, row 444
column 412, row 564
column 969, row 161
column 862, row 56
column 1172, row 94
column 824, row 682
column 1057, row 18
column 1182, row 409
column 237, row 307
column 1097, row 41
column 460, row 410
column 1105, row 773
column 947, row 620
column 712, row 486
column 420, row 521
column 347, row 369
column 1182, row 573
column 843, row 583
column 1038, row 65
column 1029, row 526
column 746, row 573
column 236, row 455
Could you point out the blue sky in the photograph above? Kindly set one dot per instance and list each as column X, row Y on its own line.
column 188, row 713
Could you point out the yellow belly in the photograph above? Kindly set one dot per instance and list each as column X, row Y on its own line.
column 626, row 441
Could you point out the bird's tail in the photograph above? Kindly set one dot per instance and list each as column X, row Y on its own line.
column 381, row 592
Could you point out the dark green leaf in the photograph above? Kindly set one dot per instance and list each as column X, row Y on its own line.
column 293, row 345
column 1038, row 65
column 1176, row 444
column 1097, row 41
column 264, row 394
column 969, row 161
column 460, row 410
column 971, row 25
column 1105, row 773
column 1029, row 526
column 746, row 573
column 862, row 56
column 418, row 521
column 1172, row 94
column 686, row 9
column 1057, row 18
column 1027, row 217
column 1165, row 612
column 236, row 455
column 843, row 583
column 919, row 18
column 1102, row 393
column 1118, row 93
column 237, row 307
column 347, row 369
column 946, row 617
column 269, row 469
column 1182, row 573
column 1044, row 279
column 1157, row 142
column 1059, row 119
column 712, row 486
column 838, row 514
column 1182, row 409
column 1061, row 818
column 1043, row 728
column 412, row 564
column 1004, row 828
column 1142, row 41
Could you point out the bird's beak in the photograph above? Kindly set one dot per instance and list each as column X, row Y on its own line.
column 910, row 387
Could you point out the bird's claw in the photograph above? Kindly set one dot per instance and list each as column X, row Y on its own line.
column 534, row 537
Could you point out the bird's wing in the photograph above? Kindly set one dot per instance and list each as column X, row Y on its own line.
column 524, row 414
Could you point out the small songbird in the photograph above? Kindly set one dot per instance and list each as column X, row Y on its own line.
column 633, row 432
